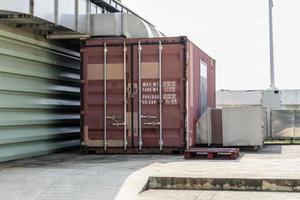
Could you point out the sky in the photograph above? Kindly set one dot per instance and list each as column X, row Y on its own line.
column 236, row 34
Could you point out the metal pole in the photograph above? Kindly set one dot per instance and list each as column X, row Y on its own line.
column 105, row 95
column 88, row 17
column 160, row 98
column 76, row 15
column 140, row 96
column 56, row 17
column 125, row 96
column 31, row 7
column 272, row 73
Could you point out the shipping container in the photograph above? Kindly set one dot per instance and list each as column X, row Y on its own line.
column 143, row 95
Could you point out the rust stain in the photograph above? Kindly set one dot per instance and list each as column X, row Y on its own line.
column 150, row 70
column 114, row 71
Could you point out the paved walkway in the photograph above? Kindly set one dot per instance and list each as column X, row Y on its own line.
column 272, row 162
column 72, row 176
column 215, row 195
column 280, row 162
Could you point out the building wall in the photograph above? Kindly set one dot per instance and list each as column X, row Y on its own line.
column 239, row 97
column 289, row 99
column 281, row 106
column 39, row 95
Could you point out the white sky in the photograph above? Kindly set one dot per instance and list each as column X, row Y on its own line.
column 235, row 33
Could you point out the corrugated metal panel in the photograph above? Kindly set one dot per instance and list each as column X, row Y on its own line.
column 39, row 95
column 197, row 96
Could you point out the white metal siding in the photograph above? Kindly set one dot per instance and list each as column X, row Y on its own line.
column 39, row 95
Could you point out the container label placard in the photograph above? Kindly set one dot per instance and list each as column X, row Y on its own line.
column 150, row 92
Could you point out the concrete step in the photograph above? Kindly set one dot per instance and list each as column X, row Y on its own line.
column 232, row 184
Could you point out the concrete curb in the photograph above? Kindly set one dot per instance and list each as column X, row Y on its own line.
column 235, row 184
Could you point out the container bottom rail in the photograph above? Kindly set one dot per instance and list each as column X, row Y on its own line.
column 115, row 150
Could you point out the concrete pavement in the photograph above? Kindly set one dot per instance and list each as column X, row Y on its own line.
column 67, row 176
column 272, row 162
column 215, row 195
column 71, row 176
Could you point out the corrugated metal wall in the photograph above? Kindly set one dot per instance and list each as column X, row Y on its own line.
column 39, row 95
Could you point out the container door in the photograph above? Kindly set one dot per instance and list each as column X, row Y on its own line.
column 158, row 109
column 106, row 97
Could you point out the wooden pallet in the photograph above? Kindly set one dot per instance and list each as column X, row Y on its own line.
column 212, row 153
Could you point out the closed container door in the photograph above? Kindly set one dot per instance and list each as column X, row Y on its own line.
column 158, row 104
column 105, row 96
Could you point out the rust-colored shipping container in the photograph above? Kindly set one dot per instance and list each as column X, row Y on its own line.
column 143, row 95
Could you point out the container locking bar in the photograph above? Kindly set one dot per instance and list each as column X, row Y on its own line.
column 112, row 117
column 148, row 116
column 140, row 95
column 105, row 96
column 125, row 95
column 118, row 124
column 152, row 123
column 160, row 48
